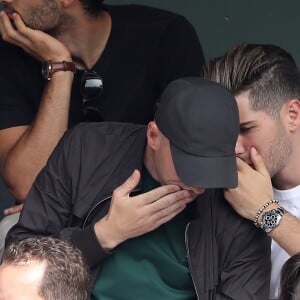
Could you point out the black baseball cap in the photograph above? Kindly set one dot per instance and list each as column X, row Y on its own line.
column 200, row 118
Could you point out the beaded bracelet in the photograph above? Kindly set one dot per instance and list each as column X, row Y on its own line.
column 259, row 212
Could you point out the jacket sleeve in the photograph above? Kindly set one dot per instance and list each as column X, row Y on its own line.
column 48, row 209
column 246, row 265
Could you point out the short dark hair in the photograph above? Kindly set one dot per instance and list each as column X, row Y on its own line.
column 268, row 72
column 93, row 7
column 66, row 277
column 290, row 279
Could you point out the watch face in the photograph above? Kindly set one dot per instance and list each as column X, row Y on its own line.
column 49, row 68
column 46, row 68
column 271, row 219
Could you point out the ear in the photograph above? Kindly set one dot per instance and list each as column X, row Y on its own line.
column 153, row 135
column 292, row 111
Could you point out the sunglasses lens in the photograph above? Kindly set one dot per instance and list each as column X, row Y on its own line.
column 92, row 88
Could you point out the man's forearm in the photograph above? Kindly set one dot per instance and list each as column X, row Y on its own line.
column 31, row 151
column 287, row 233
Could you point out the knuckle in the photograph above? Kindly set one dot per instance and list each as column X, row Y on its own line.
column 130, row 182
column 21, row 29
column 164, row 212
column 172, row 189
column 5, row 37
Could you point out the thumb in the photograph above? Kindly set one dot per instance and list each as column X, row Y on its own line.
column 129, row 185
column 258, row 162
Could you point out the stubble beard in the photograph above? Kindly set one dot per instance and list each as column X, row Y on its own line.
column 279, row 152
column 45, row 17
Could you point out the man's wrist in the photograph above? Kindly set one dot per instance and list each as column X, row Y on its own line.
column 105, row 235
column 49, row 68
column 257, row 218
column 271, row 219
column 66, row 77
column 270, row 207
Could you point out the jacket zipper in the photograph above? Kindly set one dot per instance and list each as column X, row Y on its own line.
column 188, row 256
column 97, row 204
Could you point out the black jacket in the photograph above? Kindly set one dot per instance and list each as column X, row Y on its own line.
column 228, row 257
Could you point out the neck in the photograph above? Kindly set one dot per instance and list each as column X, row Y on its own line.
column 149, row 163
column 85, row 36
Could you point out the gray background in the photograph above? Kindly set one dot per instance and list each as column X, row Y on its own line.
column 221, row 24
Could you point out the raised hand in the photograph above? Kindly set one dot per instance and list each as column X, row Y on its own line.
column 254, row 187
column 38, row 44
column 129, row 217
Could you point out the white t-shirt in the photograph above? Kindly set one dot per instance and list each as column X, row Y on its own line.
column 290, row 200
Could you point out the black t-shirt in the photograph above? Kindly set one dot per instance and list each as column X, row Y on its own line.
column 147, row 49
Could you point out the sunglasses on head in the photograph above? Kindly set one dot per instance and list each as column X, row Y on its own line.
column 91, row 92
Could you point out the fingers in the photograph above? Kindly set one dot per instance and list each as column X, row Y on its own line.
column 158, row 193
column 129, row 185
column 19, row 24
column 166, row 216
column 241, row 164
column 7, row 29
column 1, row 22
column 170, row 208
column 21, row 30
column 6, row 25
column 171, row 201
column 13, row 210
column 258, row 162
column 10, row 33
column 167, row 207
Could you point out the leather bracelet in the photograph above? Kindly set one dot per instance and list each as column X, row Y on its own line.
column 259, row 212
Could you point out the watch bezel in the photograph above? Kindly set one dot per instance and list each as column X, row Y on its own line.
column 46, row 70
column 267, row 225
column 50, row 67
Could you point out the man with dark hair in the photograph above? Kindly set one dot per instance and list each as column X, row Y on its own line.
column 122, row 57
column 44, row 268
column 164, row 246
column 266, row 83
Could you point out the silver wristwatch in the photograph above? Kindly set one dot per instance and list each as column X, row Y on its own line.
column 270, row 219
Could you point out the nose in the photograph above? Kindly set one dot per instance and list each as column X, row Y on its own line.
column 239, row 148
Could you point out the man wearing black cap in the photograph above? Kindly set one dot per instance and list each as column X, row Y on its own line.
column 140, row 242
